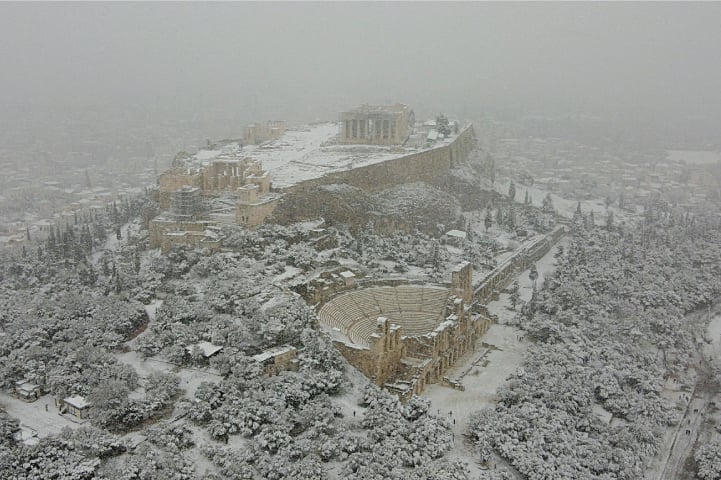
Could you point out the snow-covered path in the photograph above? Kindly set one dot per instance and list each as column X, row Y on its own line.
column 499, row 354
column 151, row 309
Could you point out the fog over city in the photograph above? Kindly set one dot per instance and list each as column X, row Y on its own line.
column 638, row 62
column 360, row 240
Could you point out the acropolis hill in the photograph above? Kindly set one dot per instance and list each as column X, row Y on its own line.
column 242, row 181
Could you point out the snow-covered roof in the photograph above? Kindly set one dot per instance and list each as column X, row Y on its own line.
column 26, row 386
column 273, row 352
column 77, row 401
column 207, row 348
column 347, row 274
column 457, row 234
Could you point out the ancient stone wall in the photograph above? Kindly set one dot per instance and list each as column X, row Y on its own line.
column 191, row 239
column 358, row 356
column 462, row 281
column 256, row 133
column 253, row 214
column 406, row 364
column 416, row 167
column 501, row 276
column 448, row 343
column 380, row 361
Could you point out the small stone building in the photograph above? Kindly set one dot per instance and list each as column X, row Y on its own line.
column 28, row 391
column 277, row 359
column 454, row 237
column 256, row 133
column 348, row 278
column 75, row 405
column 206, row 349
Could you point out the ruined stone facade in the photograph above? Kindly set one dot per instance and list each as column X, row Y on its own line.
column 376, row 124
column 167, row 231
column 175, row 179
column 183, row 191
column 407, row 336
column 256, row 133
column 380, row 360
column 253, row 205
column 429, row 356
column 402, row 348
column 216, row 178
column 500, row 277
column 277, row 359
column 462, row 281
column 233, row 188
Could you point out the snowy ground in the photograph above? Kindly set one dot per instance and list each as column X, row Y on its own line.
column 352, row 395
column 499, row 354
column 201, row 437
column 41, row 415
column 190, row 378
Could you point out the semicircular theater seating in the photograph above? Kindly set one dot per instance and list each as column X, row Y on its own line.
column 418, row 309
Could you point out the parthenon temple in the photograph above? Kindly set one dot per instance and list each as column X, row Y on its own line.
column 376, row 124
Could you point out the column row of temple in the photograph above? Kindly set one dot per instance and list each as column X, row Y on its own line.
column 370, row 129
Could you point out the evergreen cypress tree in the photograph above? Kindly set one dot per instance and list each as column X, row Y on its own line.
column 51, row 241
column 609, row 221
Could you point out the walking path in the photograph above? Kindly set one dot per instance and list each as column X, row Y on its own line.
column 497, row 356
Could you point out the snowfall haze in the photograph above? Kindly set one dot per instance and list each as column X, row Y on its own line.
column 345, row 240
column 643, row 63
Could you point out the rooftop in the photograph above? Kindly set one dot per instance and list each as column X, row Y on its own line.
column 207, row 348
column 273, row 352
column 457, row 234
column 77, row 401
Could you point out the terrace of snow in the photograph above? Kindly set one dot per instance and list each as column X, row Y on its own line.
column 309, row 152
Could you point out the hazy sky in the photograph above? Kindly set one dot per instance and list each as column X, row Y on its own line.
column 308, row 60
